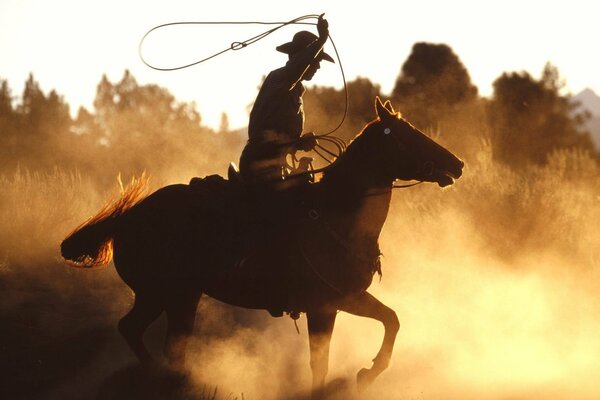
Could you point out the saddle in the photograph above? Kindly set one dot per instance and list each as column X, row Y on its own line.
column 280, row 237
column 219, row 188
column 240, row 209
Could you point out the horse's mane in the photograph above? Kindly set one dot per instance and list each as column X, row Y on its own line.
column 353, row 152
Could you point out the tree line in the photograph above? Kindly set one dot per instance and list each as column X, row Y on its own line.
column 132, row 128
column 525, row 120
column 135, row 127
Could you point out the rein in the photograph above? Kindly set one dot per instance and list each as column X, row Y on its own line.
column 407, row 185
column 311, row 174
column 386, row 191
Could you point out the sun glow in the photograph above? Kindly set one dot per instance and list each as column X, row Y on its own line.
column 71, row 50
column 494, row 279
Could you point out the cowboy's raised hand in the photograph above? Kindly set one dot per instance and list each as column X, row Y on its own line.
column 323, row 27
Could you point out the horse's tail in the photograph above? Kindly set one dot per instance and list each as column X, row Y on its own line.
column 91, row 243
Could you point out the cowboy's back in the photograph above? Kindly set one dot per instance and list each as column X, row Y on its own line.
column 278, row 108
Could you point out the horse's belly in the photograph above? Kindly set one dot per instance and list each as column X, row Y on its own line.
column 270, row 282
column 250, row 284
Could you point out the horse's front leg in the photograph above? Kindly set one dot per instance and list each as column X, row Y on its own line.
column 365, row 305
column 320, row 328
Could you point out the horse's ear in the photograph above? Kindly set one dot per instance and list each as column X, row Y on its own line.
column 388, row 105
column 382, row 112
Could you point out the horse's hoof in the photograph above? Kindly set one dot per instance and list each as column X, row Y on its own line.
column 364, row 378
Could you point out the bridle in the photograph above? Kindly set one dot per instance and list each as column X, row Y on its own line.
column 428, row 166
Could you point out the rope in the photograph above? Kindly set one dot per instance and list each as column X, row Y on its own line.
column 233, row 46
column 321, row 155
column 339, row 144
column 337, row 55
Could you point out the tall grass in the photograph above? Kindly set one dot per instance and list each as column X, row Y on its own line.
column 38, row 209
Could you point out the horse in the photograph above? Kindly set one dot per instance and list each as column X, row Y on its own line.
column 185, row 241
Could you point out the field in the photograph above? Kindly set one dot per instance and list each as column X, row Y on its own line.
column 494, row 280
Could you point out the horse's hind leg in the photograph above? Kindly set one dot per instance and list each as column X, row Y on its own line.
column 133, row 325
column 181, row 314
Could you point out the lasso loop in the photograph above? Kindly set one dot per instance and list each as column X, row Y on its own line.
column 338, row 143
column 233, row 46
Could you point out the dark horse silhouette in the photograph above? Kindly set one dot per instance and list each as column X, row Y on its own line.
column 183, row 241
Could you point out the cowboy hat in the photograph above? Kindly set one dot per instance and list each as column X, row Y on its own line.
column 301, row 41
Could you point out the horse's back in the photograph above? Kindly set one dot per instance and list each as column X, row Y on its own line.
column 199, row 203
column 181, row 231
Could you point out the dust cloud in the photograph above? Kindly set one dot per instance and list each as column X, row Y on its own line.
column 494, row 281
column 486, row 312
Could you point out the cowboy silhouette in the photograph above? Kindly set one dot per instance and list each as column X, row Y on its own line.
column 277, row 117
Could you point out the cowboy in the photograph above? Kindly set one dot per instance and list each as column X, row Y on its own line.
column 277, row 117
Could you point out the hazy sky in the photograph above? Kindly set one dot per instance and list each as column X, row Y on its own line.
column 69, row 44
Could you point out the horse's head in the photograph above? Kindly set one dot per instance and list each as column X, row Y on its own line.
column 406, row 153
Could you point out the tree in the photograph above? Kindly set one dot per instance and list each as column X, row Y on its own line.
column 432, row 84
column 8, row 126
column 325, row 106
column 132, row 128
column 435, row 93
column 41, row 123
column 167, row 135
column 224, row 125
column 6, row 107
column 529, row 118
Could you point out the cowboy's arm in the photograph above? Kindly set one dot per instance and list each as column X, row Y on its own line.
column 297, row 65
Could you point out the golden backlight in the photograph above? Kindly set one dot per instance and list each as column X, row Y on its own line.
column 488, row 310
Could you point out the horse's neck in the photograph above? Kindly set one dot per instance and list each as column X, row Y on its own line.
column 370, row 215
column 359, row 203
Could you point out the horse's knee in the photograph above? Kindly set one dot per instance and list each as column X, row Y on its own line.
column 391, row 321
